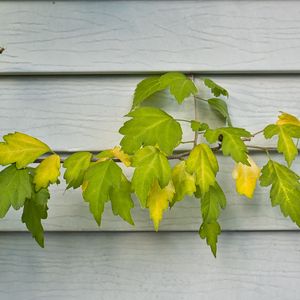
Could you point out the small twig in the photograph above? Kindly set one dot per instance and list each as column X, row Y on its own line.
column 183, row 120
column 258, row 132
column 200, row 98
column 187, row 142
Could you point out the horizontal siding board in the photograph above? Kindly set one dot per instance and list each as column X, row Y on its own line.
column 149, row 36
column 79, row 113
column 68, row 211
column 150, row 266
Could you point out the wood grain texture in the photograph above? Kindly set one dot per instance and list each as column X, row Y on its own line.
column 150, row 266
column 78, row 113
column 144, row 36
column 68, row 211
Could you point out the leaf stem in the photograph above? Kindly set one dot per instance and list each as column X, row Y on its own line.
column 200, row 98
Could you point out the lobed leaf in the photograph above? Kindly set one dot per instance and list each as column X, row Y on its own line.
column 285, row 132
column 216, row 89
column 150, row 126
column 15, row 187
column 180, row 87
column 150, row 165
column 99, row 180
column 285, row 189
column 35, row 209
column 232, row 143
column 76, row 166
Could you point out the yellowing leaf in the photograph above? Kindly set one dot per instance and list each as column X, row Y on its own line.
column 117, row 153
column 286, row 118
column 246, row 177
column 21, row 149
column 158, row 201
column 123, row 157
column 47, row 172
column 183, row 181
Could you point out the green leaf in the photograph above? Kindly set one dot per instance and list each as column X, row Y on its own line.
column 198, row 126
column 232, row 144
column 220, row 106
column 76, row 166
column 285, row 190
column 285, row 145
column 150, row 164
column 21, row 149
column 35, row 209
column 183, row 181
column 180, row 86
column 203, row 163
column 150, row 126
column 216, row 89
column 210, row 232
column 121, row 201
column 99, row 180
column 15, row 187
column 146, row 88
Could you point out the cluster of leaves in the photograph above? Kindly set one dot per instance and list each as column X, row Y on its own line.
column 150, row 138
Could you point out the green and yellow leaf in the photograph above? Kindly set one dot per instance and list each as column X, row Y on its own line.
column 203, row 163
column 150, row 126
column 150, row 165
column 158, row 201
column 184, row 182
column 116, row 152
column 286, row 128
column 21, row 149
column 246, row 177
column 47, row 172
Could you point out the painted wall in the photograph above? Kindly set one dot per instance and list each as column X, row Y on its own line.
column 67, row 76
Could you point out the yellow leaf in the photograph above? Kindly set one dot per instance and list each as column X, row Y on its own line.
column 246, row 177
column 21, row 149
column 121, row 155
column 286, row 118
column 115, row 152
column 158, row 201
column 47, row 172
